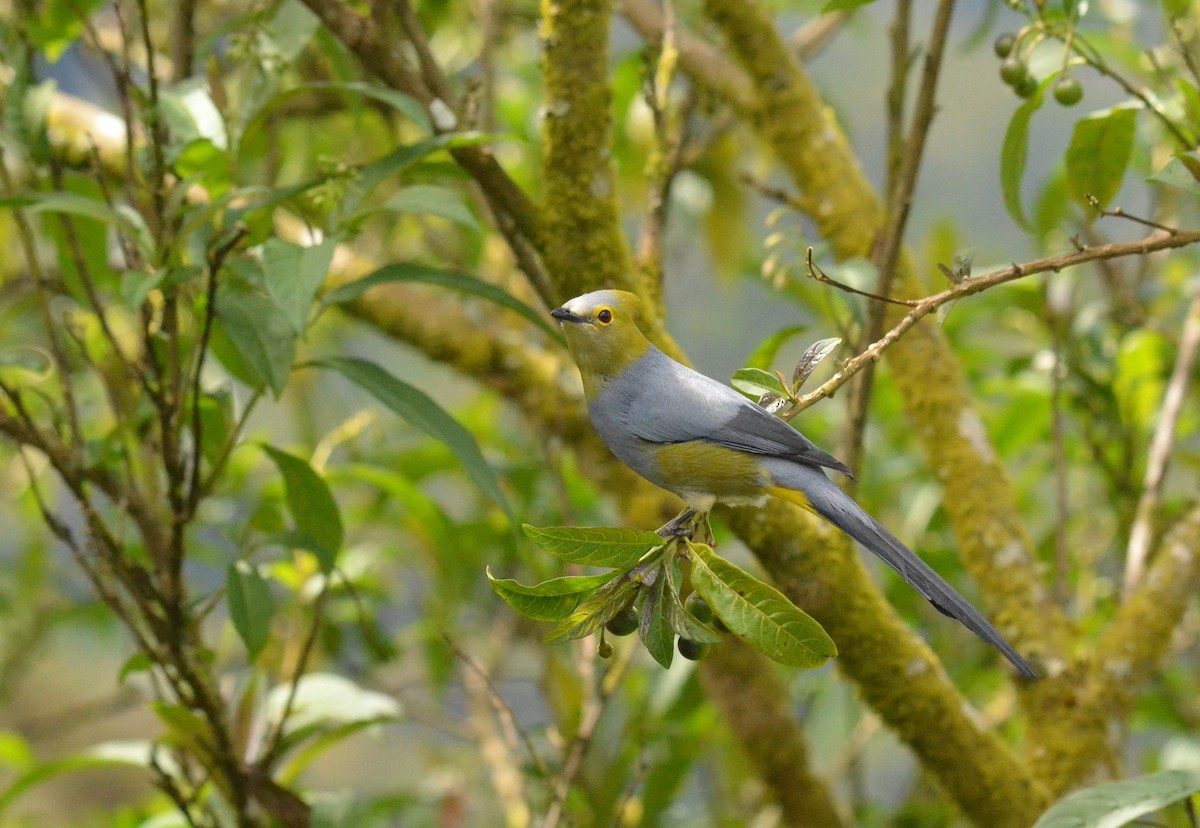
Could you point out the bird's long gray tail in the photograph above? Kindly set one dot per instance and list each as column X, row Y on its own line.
column 831, row 503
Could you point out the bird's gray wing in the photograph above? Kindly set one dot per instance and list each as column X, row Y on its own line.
column 676, row 405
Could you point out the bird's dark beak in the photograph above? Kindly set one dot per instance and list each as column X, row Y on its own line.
column 564, row 315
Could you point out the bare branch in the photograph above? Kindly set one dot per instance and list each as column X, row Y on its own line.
column 1142, row 533
column 978, row 284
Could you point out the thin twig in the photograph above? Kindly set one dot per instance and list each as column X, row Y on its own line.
column 216, row 261
column 902, row 181
column 275, row 742
column 589, row 719
column 1117, row 212
column 505, row 713
column 1058, row 325
column 922, row 308
column 1142, row 532
column 1093, row 57
column 815, row 272
column 808, row 40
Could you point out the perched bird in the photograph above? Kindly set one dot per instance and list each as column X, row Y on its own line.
column 707, row 443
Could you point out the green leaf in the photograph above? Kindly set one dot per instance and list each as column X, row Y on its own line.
column 328, row 699
column 1182, row 172
column 58, row 24
column 653, row 628
column 601, row 546
column 1118, row 803
column 597, row 609
column 191, row 115
column 251, row 606
column 1100, row 149
column 313, row 508
column 754, row 382
column 1142, row 364
column 108, row 755
column 136, row 286
column 758, row 613
column 768, row 349
column 408, row 107
column 409, row 272
column 550, row 600
column 290, row 29
column 292, row 275
column 681, row 621
column 262, row 336
column 1013, row 155
column 421, row 411
column 430, row 200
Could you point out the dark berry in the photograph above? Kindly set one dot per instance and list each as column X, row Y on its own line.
column 623, row 623
column 692, row 650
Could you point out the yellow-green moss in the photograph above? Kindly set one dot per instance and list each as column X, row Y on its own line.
column 583, row 246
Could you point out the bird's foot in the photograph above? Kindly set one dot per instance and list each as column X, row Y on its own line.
column 681, row 526
column 689, row 524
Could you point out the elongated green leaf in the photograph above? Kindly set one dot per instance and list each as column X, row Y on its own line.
column 417, row 408
column 290, row 29
column 1119, row 803
column 106, row 755
column 251, row 606
column 408, row 107
column 325, row 698
column 653, row 627
column 601, row 546
column 431, row 200
column 292, row 275
column 550, row 600
column 309, row 500
column 1182, row 172
column 680, row 620
column 759, row 613
column 597, row 610
column 409, row 272
column 1013, row 155
column 1100, row 149
column 262, row 337
column 755, row 382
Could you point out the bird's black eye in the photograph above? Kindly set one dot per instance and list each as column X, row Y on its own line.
column 604, row 317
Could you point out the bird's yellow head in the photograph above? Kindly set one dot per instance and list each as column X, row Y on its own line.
column 601, row 328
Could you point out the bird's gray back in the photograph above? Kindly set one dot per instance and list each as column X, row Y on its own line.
column 659, row 400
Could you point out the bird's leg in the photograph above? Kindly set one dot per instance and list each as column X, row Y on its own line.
column 680, row 526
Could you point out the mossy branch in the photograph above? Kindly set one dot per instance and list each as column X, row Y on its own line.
column 755, row 703
column 897, row 674
column 584, row 247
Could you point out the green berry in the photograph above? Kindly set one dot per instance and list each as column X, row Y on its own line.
column 692, row 650
column 699, row 608
column 605, row 650
column 1013, row 71
column 1004, row 44
column 623, row 623
column 1067, row 91
column 1027, row 87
